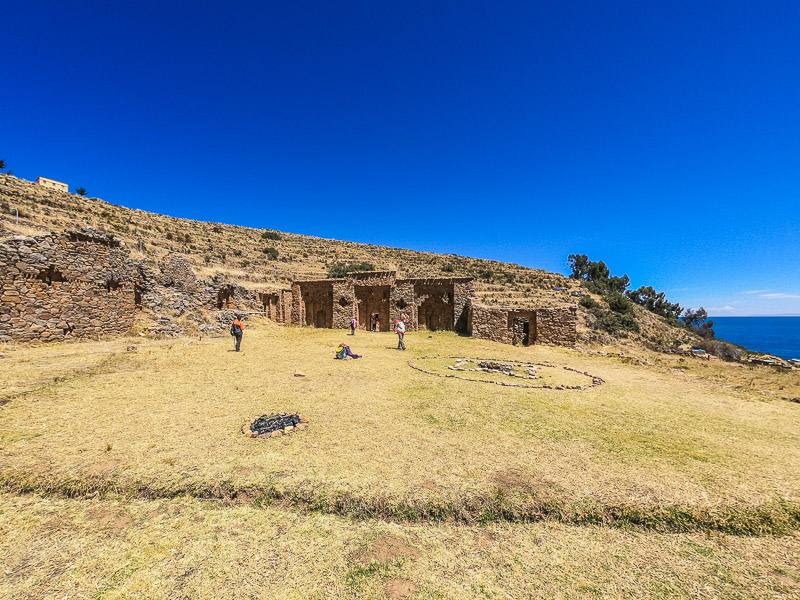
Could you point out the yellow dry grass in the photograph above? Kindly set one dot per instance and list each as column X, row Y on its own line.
column 403, row 484
column 184, row 548
column 166, row 419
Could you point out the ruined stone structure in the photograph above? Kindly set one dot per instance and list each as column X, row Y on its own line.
column 558, row 325
column 79, row 283
column 277, row 305
column 431, row 304
column 84, row 283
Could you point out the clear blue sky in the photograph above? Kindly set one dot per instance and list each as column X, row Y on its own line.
column 663, row 138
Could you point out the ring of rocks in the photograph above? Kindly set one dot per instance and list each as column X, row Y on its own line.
column 274, row 425
column 492, row 365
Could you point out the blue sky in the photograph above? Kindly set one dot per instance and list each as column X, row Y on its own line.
column 661, row 138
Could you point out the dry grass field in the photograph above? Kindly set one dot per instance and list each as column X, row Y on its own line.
column 125, row 474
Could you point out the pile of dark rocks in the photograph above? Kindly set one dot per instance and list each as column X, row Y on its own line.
column 274, row 425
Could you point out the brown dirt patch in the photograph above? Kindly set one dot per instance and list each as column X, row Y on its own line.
column 430, row 484
column 400, row 588
column 102, row 468
column 387, row 548
column 786, row 580
column 113, row 522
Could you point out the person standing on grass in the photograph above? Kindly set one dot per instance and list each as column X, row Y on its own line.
column 237, row 330
column 353, row 325
column 400, row 330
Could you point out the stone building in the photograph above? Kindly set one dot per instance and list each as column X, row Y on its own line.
column 525, row 326
column 54, row 286
column 84, row 283
column 429, row 303
column 52, row 183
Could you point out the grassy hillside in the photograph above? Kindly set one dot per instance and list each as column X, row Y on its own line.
column 239, row 251
column 247, row 255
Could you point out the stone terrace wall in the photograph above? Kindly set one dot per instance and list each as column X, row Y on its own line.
column 557, row 325
column 75, row 284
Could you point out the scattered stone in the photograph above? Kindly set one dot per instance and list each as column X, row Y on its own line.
column 130, row 349
column 299, row 374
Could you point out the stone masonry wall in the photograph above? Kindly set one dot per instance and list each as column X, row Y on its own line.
column 557, row 326
column 490, row 323
column 58, row 286
column 176, row 271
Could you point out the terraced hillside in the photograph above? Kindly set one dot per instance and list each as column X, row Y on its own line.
column 265, row 258
column 244, row 253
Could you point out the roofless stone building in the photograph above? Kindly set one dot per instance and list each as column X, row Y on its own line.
column 84, row 283
column 433, row 304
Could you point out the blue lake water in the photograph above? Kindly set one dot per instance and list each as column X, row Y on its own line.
column 774, row 335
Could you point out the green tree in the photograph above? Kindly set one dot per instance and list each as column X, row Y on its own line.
column 697, row 321
column 596, row 275
column 655, row 302
column 341, row 269
column 81, row 191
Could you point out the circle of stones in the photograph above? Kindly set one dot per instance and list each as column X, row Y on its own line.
column 529, row 366
column 248, row 432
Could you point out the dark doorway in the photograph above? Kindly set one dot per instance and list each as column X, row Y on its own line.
column 521, row 329
column 373, row 300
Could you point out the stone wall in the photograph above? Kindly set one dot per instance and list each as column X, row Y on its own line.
column 557, row 326
column 428, row 303
column 58, row 286
column 176, row 271
column 277, row 305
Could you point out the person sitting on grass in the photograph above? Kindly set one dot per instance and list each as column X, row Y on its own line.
column 343, row 351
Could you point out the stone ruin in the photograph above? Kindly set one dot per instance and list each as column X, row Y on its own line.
column 81, row 283
column 84, row 283
column 431, row 304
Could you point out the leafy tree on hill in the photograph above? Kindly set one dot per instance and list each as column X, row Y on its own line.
column 697, row 321
column 341, row 269
column 81, row 191
column 596, row 275
column 620, row 317
column 655, row 302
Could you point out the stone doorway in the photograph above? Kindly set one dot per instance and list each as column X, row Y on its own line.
column 435, row 314
column 373, row 300
column 521, row 329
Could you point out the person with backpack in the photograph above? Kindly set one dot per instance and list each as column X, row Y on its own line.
column 400, row 330
column 343, row 351
column 353, row 325
column 237, row 329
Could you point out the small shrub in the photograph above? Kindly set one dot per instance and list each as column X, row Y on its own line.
column 271, row 252
column 270, row 235
column 341, row 269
